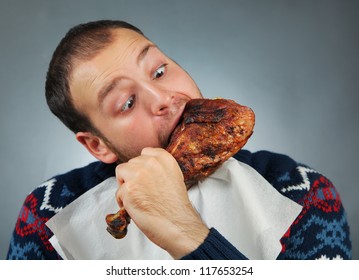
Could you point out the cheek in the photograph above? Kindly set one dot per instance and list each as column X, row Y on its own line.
column 186, row 84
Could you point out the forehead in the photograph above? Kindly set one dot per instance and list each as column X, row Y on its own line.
column 125, row 44
column 125, row 40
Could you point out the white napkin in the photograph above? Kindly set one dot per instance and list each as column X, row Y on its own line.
column 236, row 200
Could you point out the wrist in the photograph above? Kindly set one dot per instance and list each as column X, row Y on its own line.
column 187, row 239
column 186, row 245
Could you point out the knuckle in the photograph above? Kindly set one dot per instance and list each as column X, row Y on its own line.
column 152, row 161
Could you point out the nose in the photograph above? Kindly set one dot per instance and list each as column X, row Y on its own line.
column 157, row 99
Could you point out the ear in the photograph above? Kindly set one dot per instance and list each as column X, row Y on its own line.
column 97, row 147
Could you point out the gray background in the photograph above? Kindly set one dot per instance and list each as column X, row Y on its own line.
column 294, row 62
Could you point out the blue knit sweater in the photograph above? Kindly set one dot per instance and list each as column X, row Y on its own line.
column 320, row 231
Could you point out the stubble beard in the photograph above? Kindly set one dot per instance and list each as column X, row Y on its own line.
column 126, row 153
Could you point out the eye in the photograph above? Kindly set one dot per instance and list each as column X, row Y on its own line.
column 130, row 102
column 159, row 72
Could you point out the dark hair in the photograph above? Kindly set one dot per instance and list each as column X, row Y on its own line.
column 82, row 42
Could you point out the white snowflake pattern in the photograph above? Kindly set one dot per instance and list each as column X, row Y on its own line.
column 324, row 257
column 305, row 185
column 46, row 202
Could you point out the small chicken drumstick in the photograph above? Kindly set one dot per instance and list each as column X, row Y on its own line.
column 209, row 132
column 117, row 223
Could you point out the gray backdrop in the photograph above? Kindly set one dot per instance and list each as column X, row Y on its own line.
column 294, row 62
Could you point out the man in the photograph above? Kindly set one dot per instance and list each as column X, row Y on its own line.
column 122, row 97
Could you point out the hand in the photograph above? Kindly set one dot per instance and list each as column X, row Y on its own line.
column 153, row 193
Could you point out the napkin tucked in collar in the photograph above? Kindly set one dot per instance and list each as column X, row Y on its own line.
column 236, row 200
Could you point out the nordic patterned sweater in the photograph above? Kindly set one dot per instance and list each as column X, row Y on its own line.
column 320, row 231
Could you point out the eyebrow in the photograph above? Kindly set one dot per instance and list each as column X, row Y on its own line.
column 112, row 84
column 144, row 51
column 106, row 90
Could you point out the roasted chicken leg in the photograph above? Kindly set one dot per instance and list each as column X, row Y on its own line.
column 209, row 132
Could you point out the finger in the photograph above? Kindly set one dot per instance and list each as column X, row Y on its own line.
column 119, row 174
column 149, row 160
column 149, row 151
column 160, row 154
column 119, row 197
column 125, row 171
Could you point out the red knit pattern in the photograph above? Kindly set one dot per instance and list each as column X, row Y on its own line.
column 30, row 223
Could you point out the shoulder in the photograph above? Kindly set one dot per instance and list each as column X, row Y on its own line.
column 321, row 230
column 289, row 177
column 268, row 164
column 54, row 194
column 294, row 180
column 30, row 239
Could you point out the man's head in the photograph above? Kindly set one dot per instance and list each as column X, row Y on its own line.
column 116, row 90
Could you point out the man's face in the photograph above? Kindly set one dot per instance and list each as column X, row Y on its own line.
column 132, row 93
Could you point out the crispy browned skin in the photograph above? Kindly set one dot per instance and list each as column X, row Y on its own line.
column 209, row 133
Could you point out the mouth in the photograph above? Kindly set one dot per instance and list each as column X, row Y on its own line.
column 176, row 121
